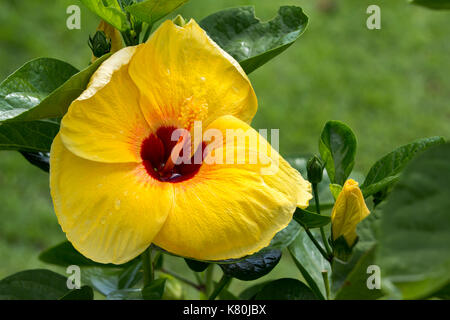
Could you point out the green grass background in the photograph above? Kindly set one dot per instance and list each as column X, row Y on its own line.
column 390, row 85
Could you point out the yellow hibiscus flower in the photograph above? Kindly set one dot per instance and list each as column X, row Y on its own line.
column 114, row 186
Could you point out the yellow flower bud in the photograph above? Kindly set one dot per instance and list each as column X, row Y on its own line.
column 349, row 210
column 112, row 34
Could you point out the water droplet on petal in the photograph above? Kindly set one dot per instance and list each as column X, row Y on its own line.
column 117, row 204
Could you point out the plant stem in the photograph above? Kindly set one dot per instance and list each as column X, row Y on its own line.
column 199, row 287
column 317, row 244
column 209, row 278
column 148, row 266
column 326, row 282
column 322, row 232
column 222, row 283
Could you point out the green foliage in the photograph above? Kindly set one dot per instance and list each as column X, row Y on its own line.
column 155, row 290
column 30, row 136
column 252, row 42
column 151, row 11
column 38, row 284
column 414, row 232
column 433, row 4
column 197, row 266
column 310, row 263
column 285, row 289
column 64, row 254
column 337, row 148
column 285, row 237
column 355, row 286
column 310, row 220
column 254, row 266
column 385, row 172
column 84, row 293
column 30, row 84
column 54, row 100
column 110, row 11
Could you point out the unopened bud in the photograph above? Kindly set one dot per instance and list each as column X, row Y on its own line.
column 99, row 44
column 314, row 168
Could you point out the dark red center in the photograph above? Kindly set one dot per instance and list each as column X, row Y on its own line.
column 155, row 153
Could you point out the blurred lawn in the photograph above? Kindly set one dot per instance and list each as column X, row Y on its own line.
column 390, row 85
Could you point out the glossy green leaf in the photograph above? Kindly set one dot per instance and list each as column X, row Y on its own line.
column 337, row 148
column 310, row 263
column 125, row 294
column 251, row 292
column 252, row 42
column 254, row 266
column 433, row 4
column 110, row 11
column 38, row 159
column 29, row 93
column 310, row 220
column 151, row 11
column 104, row 280
column 355, row 286
column 30, row 84
column 64, row 254
column 155, row 290
column 195, row 265
column 131, row 275
column 39, row 284
column 385, row 172
column 285, row 289
column 84, row 293
column 414, row 230
column 367, row 239
column 31, row 136
column 285, row 237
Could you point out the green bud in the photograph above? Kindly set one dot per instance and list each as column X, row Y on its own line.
column 314, row 168
column 99, row 44
column 179, row 21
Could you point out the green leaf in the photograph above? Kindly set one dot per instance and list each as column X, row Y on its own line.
column 335, row 190
column 310, row 220
column 131, row 275
column 337, row 148
column 39, row 284
column 30, row 84
column 285, row 237
column 433, row 4
column 385, row 172
column 64, row 254
column 310, row 263
column 285, row 289
column 367, row 239
column 125, row 294
column 355, row 286
column 38, row 159
column 155, row 290
column 30, row 136
column 195, row 265
column 110, row 11
column 84, row 293
column 254, row 266
column 252, row 42
column 151, row 11
column 56, row 104
column 414, row 230
column 104, row 280
column 251, row 292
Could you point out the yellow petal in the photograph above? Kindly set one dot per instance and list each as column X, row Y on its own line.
column 106, row 123
column 232, row 210
column 109, row 212
column 349, row 210
column 184, row 76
